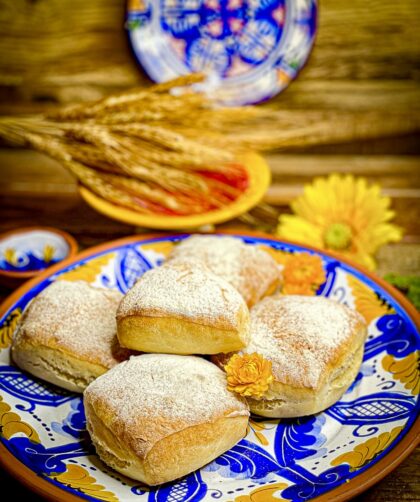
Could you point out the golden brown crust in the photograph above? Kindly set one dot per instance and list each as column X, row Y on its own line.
column 182, row 310
column 285, row 401
column 139, row 435
column 115, row 353
column 56, row 366
column 321, row 371
column 345, row 352
column 337, row 357
column 248, row 268
column 150, row 314
column 67, row 334
column 171, row 457
column 157, row 417
column 180, row 336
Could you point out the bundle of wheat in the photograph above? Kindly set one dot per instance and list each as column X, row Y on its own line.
column 164, row 149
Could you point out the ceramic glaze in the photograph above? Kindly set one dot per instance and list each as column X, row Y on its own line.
column 32, row 250
column 296, row 459
column 250, row 49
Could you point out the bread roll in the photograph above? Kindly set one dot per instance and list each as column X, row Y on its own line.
column 182, row 309
column 249, row 269
column 157, row 417
column 67, row 335
column 316, row 349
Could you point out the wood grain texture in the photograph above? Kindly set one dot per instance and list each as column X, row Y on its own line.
column 354, row 108
column 30, row 176
column 401, row 485
column 62, row 50
column 50, row 45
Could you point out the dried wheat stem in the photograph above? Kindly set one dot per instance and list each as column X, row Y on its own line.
column 76, row 112
column 151, row 149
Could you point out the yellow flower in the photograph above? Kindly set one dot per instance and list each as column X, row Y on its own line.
column 249, row 375
column 303, row 273
column 342, row 214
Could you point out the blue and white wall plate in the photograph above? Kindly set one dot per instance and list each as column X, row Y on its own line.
column 334, row 454
column 250, row 49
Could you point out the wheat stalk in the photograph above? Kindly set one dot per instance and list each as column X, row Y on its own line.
column 148, row 149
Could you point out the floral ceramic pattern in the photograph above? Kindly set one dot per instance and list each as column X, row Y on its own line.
column 44, row 427
column 35, row 250
column 251, row 49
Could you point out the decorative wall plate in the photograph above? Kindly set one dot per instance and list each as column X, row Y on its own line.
column 250, row 49
column 259, row 180
column 334, row 455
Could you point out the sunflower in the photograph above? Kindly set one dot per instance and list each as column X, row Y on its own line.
column 342, row 214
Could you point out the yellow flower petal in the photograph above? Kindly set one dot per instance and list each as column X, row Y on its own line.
column 339, row 202
column 297, row 229
column 249, row 375
column 303, row 273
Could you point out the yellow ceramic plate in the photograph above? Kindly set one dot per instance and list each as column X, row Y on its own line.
column 259, row 180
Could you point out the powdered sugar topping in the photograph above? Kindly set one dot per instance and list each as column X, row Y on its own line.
column 185, row 291
column 154, row 395
column 300, row 335
column 246, row 267
column 77, row 318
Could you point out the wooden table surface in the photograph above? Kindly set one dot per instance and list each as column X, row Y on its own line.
column 355, row 106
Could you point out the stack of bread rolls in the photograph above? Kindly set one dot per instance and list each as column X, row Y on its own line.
column 165, row 410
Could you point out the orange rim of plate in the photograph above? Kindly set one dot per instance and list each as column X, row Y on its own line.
column 259, row 180
column 343, row 492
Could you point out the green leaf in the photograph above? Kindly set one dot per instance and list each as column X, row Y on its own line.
column 408, row 284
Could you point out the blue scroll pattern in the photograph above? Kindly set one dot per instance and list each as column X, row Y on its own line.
column 299, row 451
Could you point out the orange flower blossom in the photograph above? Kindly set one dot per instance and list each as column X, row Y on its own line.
column 249, row 375
column 303, row 274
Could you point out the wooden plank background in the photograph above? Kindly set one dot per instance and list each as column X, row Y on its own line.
column 359, row 94
column 354, row 108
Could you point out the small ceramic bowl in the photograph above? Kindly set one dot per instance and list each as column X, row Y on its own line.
column 259, row 181
column 25, row 252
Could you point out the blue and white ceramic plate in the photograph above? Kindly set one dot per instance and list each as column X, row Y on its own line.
column 250, row 49
column 24, row 252
column 334, row 454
